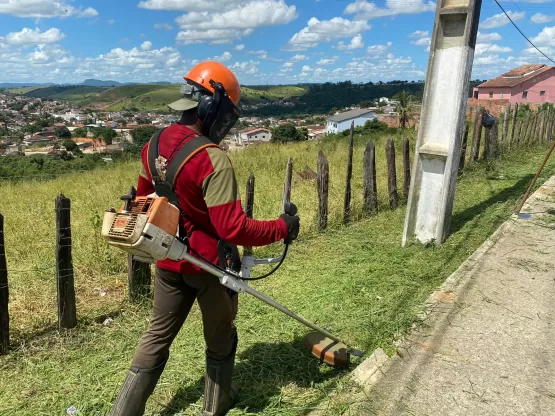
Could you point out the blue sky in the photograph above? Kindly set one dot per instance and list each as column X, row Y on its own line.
column 263, row 41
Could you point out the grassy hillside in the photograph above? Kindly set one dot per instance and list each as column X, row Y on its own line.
column 146, row 97
column 73, row 93
column 357, row 280
column 23, row 90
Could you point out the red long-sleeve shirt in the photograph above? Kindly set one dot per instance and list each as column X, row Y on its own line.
column 208, row 194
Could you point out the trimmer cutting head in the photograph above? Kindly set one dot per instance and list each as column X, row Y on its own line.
column 330, row 352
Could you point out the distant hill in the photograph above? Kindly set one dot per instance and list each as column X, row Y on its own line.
column 100, row 83
column 22, row 84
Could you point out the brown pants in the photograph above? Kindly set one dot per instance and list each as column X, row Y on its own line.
column 174, row 295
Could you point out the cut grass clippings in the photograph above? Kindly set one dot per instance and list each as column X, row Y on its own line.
column 356, row 281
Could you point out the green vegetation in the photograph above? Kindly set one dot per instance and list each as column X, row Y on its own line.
column 356, row 279
column 73, row 93
column 22, row 90
column 41, row 166
column 288, row 133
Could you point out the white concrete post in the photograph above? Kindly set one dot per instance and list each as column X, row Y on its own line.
column 438, row 145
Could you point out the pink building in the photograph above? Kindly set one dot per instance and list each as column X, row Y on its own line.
column 526, row 84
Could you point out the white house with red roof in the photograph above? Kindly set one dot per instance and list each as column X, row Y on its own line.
column 252, row 135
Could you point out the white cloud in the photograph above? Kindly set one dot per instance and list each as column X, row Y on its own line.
column 378, row 49
column 237, row 18
column 88, row 12
column 327, row 61
column 299, row 57
column 146, row 46
column 422, row 42
column 356, row 43
column 288, row 65
column 34, row 36
column 422, row 38
column 499, row 20
column 186, row 5
column 239, row 47
column 540, row 18
column 43, row 9
column 247, row 67
column 420, row 34
column 163, row 26
column 110, row 22
column 491, row 49
column 318, row 31
column 257, row 52
column 226, row 56
column 306, row 68
column 488, row 37
column 545, row 38
column 215, row 36
column 365, row 10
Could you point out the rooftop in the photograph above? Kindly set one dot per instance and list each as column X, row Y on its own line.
column 347, row 115
column 516, row 76
column 251, row 130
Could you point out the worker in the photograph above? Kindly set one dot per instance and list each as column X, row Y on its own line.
column 205, row 189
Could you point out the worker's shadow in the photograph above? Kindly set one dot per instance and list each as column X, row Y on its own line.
column 260, row 373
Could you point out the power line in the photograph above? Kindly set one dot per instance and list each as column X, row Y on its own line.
column 529, row 18
column 520, row 31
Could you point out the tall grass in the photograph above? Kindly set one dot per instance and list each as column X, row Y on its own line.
column 356, row 281
column 28, row 207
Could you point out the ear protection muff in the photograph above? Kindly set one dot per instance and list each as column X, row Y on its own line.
column 204, row 105
column 208, row 108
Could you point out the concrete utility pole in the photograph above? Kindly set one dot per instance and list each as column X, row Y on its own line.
column 438, row 146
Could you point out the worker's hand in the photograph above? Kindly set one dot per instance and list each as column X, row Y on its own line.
column 293, row 226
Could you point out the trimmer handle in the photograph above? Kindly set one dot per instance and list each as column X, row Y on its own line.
column 130, row 197
column 290, row 208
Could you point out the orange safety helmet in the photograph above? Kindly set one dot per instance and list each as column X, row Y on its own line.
column 203, row 73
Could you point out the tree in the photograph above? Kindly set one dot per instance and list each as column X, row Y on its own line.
column 105, row 134
column 286, row 133
column 142, row 135
column 62, row 133
column 405, row 106
column 70, row 145
column 79, row 132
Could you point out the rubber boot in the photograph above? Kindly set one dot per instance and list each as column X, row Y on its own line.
column 219, row 392
column 137, row 388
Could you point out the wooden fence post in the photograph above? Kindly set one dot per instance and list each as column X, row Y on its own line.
column 406, row 168
column 67, row 313
column 4, row 295
column 524, row 129
column 463, row 148
column 322, row 181
column 505, row 130
column 518, row 132
column 491, row 146
column 347, row 200
column 369, row 179
column 530, row 129
column 551, row 128
column 391, row 174
column 515, row 114
column 476, row 135
column 288, row 183
column 249, row 206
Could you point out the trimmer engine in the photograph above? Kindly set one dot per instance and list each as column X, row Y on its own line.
column 144, row 227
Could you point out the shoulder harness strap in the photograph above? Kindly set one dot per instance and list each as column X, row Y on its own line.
column 165, row 185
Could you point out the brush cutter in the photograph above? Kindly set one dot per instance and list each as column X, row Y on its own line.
column 147, row 228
